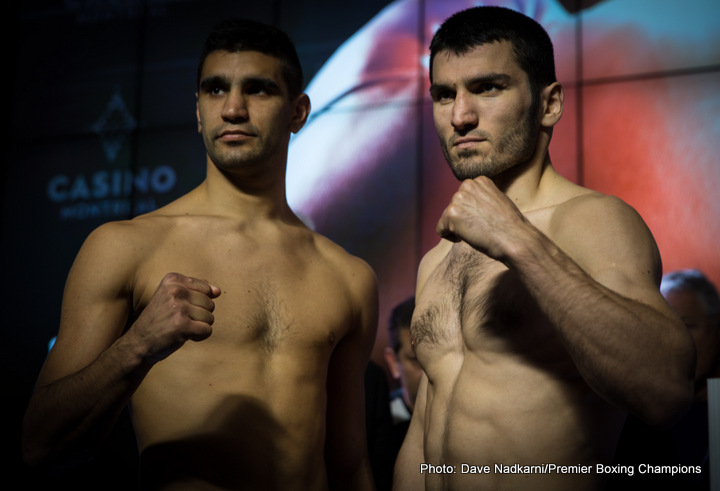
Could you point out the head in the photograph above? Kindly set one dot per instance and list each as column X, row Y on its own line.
column 400, row 356
column 249, row 100
column 237, row 35
column 695, row 300
column 531, row 45
column 495, row 97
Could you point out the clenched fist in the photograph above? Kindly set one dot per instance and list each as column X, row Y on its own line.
column 482, row 216
column 181, row 309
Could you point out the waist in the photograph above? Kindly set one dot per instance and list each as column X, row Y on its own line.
column 231, row 401
column 510, row 413
column 207, row 464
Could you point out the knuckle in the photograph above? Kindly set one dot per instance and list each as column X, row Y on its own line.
column 453, row 210
column 179, row 313
column 171, row 278
column 176, row 291
column 201, row 332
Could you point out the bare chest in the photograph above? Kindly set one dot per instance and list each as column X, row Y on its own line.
column 272, row 299
column 473, row 302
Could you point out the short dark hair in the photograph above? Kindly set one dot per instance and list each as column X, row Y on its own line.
column 693, row 281
column 400, row 318
column 468, row 29
column 236, row 35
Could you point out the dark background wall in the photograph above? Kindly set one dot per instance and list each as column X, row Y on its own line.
column 101, row 126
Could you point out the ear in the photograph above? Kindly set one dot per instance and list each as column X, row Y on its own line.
column 391, row 362
column 553, row 99
column 301, row 112
column 197, row 113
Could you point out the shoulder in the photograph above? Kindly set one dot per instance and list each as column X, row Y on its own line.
column 352, row 275
column 571, row 208
column 353, row 269
column 358, row 283
column 108, row 241
column 577, row 210
column 602, row 232
column 116, row 249
column 128, row 235
column 598, row 217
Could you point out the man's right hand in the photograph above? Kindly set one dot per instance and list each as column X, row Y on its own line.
column 181, row 309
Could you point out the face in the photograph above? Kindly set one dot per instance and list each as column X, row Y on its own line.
column 244, row 112
column 484, row 111
column 691, row 310
column 408, row 367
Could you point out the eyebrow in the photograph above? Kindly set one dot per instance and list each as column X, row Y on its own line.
column 490, row 78
column 264, row 82
column 213, row 81
column 435, row 88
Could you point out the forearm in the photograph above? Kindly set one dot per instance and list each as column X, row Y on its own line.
column 407, row 476
column 346, row 456
column 628, row 352
column 67, row 419
column 358, row 480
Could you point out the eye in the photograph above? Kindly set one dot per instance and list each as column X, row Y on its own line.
column 442, row 95
column 256, row 90
column 214, row 89
column 446, row 95
column 487, row 88
column 262, row 87
column 214, row 85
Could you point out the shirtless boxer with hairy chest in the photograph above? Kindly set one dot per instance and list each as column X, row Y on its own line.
column 238, row 336
column 539, row 324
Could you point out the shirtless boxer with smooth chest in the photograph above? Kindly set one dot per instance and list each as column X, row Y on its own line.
column 268, row 392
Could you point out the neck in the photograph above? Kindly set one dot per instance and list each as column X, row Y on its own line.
column 524, row 183
column 249, row 197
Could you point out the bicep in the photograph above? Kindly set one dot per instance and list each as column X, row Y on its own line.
column 616, row 249
column 95, row 308
column 346, row 374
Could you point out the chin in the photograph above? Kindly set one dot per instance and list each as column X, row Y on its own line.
column 472, row 170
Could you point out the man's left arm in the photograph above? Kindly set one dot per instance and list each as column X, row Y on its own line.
column 595, row 275
column 346, row 453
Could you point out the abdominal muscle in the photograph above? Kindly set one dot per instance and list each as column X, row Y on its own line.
column 230, row 420
column 499, row 410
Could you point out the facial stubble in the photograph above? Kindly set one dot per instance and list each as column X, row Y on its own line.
column 512, row 148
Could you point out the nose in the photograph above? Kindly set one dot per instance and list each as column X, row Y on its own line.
column 464, row 114
column 235, row 107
